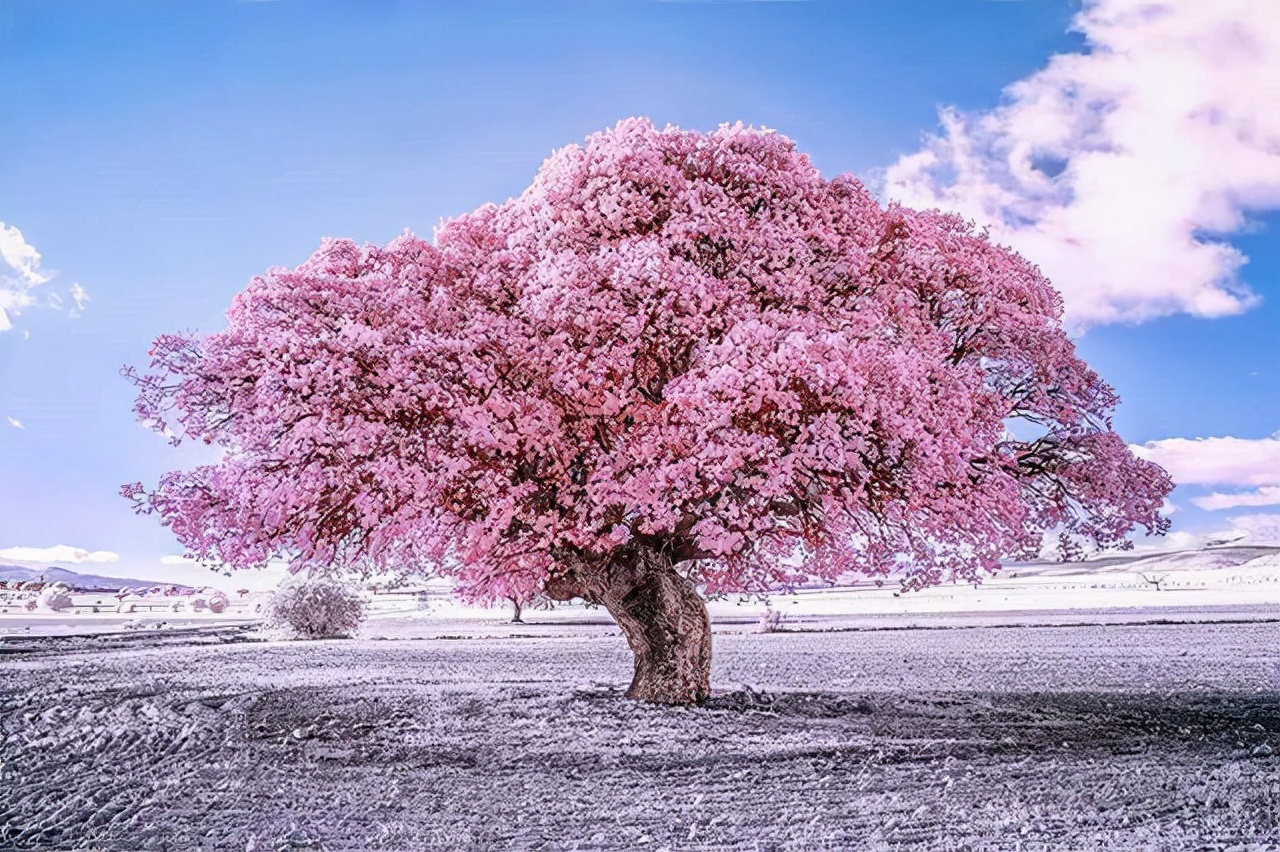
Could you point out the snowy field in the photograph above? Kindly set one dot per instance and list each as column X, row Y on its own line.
column 1109, row 730
column 1192, row 584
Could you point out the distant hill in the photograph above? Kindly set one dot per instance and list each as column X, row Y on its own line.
column 1214, row 557
column 85, row 582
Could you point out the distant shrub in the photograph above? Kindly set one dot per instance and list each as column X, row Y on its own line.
column 315, row 608
column 772, row 621
column 217, row 602
column 55, row 597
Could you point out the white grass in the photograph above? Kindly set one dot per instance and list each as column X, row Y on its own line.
column 1112, row 736
column 1234, row 577
column 1070, row 706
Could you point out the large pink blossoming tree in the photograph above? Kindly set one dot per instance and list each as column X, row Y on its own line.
column 679, row 363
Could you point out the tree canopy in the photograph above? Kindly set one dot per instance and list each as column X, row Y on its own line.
column 691, row 345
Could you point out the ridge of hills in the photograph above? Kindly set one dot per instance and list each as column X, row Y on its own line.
column 76, row 580
column 1213, row 557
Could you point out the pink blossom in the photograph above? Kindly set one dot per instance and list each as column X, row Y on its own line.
column 690, row 341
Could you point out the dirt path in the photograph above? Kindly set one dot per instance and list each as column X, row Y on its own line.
column 1155, row 736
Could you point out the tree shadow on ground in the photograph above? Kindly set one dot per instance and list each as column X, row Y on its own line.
column 1247, row 724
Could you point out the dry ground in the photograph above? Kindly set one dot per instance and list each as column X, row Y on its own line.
column 1159, row 736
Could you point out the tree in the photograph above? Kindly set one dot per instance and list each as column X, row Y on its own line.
column 679, row 363
column 519, row 603
column 1154, row 579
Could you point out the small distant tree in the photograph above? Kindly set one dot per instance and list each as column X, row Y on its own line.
column 679, row 363
column 517, row 609
column 1154, row 579
column 315, row 607
column 519, row 603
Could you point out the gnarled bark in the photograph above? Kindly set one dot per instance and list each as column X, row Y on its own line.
column 661, row 614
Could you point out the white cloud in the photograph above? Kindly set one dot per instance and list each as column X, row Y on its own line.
column 57, row 553
column 1258, row 529
column 1242, row 463
column 1172, row 541
column 79, row 296
column 1268, row 495
column 1216, row 461
column 1110, row 169
column 20, row 274
column 14, row 422
column 21, row 258
column 192, row 572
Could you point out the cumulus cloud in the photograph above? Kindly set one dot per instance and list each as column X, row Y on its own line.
column 20, row 274
column 1258, row 529
column 57, row 553
column 193, row 572
column 1172, row 541
column 1268, row 495
column 1251, row 466
column 1118, row 170
column 1216, row 461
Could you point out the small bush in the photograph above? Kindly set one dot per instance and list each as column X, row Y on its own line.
column 315, row 608
column 55, row 597
column 218, row 602
column 772, row 621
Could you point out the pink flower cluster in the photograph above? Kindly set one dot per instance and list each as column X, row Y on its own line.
column 691, row 342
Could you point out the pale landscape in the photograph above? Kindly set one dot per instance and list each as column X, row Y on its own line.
column 1071, row 706
column 663, row 425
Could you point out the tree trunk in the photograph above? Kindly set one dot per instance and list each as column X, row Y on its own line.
column 516, row 610
column 665, row 622
column 662, row 616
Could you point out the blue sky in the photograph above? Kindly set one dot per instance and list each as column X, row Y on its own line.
column 158, row 155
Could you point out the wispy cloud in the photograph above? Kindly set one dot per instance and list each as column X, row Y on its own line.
column 79, row 296
column 57, row 553
column 15, row 422
column 21, row 274
column 1252, row 466
column 1119, row 169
